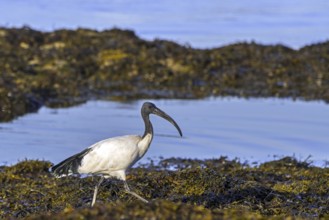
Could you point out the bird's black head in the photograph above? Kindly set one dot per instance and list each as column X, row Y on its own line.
column 149, row 108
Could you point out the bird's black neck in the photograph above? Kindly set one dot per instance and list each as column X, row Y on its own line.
column 148, row 125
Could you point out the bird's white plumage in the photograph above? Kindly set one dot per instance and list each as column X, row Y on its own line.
column 111, row 157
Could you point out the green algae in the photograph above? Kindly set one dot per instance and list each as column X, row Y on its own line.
column 67, row 67
column 177, row 189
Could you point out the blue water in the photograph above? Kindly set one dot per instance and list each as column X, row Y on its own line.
column 253, row 130
column 202, row 24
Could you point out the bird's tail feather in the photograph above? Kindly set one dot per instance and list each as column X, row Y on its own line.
column 70, row 165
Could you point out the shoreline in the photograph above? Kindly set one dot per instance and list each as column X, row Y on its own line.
column 216, row 188
column 67, row 67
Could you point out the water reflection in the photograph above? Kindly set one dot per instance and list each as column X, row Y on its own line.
column 253, row 130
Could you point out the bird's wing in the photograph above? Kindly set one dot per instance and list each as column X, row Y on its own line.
column 110, row 155
column 70, row 165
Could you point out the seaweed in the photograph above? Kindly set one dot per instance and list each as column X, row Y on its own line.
column 177, row 189
column 68, row 67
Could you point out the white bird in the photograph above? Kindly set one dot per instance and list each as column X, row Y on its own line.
column 112, row 157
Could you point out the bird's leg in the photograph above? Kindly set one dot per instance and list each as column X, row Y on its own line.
column 96, row 190
column 133, row 193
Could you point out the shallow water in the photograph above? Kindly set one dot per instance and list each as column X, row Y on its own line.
column 253, row 130
column 208, row 23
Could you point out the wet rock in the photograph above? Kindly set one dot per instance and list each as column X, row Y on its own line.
column 177, row 189
column 67, row 67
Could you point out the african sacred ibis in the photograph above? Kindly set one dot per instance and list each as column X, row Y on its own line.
column 112, row 157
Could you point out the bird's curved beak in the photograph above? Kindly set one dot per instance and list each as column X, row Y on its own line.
column 162, row 114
